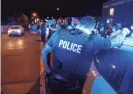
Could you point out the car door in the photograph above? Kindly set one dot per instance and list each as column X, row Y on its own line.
column 116, row 67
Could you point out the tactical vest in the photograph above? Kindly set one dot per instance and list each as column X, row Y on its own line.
column 72, row 54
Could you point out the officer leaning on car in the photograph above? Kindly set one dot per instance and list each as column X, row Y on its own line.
column 74, row 50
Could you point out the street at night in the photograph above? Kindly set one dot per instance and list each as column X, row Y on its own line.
column 66, row 47
column 20, row 63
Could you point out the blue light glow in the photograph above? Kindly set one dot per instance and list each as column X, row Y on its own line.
column 107, row 21
column 100, row 86
column 128, row 42
column 85, row 30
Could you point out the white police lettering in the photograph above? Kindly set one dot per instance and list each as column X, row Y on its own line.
column 79, row 48
column 65, row 44
column 70, row 46
column 61, row 42
column 74, row 49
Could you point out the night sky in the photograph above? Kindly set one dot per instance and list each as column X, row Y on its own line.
column 48, row 7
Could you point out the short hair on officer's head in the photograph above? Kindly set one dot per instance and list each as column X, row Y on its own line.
column 87, row 22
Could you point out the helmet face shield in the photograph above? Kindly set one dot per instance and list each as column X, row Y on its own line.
column 86, row 24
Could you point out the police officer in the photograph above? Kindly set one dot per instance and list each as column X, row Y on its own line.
column 74, row 21
column 108, row 27
column 34, row 28
column 70, row 24
column 73, row 53
column 43, row 32
column 50, row 27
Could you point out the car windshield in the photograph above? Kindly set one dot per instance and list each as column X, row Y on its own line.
column 15, row 27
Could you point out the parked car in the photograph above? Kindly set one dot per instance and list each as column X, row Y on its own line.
column 116, row 67
column 16, row 30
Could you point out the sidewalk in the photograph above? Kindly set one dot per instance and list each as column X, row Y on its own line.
column 20, row 67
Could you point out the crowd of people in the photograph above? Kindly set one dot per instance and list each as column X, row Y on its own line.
column 47, row 28
column 108, row 29
column 104, row 29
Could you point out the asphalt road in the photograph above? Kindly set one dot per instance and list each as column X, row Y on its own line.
column 20, row 64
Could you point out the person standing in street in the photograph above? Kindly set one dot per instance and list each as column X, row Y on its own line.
column 43, row 32
column 74, row 51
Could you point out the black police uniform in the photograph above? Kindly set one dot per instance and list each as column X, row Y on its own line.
column 73, row 54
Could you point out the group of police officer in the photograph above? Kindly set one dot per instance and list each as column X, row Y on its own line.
column 74, row 48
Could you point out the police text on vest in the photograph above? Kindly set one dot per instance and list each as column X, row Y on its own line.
column 70, row 46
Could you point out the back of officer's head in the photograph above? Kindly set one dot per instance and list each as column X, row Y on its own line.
column 86, row 24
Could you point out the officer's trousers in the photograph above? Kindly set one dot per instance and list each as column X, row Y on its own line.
column 43, row 39
column 62, row 88
column 48, row 58
column 68, row 92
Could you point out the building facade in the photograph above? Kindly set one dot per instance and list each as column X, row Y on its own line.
column 118, row 11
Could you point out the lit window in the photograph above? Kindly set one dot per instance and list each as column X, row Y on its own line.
column 111, row 12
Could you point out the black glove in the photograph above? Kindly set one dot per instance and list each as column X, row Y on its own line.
column 53, row 75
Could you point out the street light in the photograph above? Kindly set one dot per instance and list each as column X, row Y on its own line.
column 58, row 9
column 34, row 14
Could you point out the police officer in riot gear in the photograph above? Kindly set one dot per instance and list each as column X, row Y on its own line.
column 73, row 53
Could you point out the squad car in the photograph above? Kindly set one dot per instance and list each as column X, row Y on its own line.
column 116, row 69
column 16, row 30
